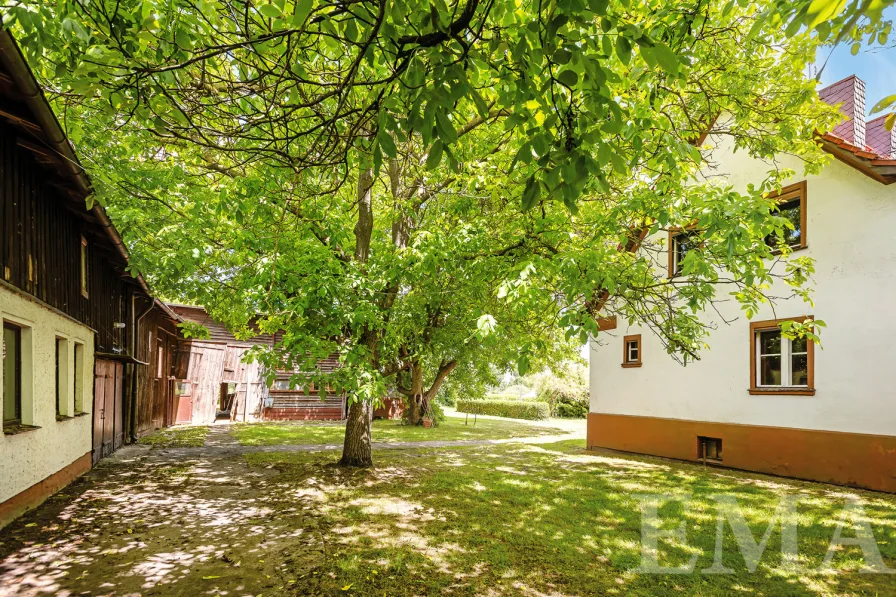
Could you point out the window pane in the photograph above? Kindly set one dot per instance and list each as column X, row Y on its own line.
column 11, row 373
column 798, row 345
column 800, row 370
column 770, row 342
column 58, row 376
column 770, row 371
column 282, row 385
column 791, row 212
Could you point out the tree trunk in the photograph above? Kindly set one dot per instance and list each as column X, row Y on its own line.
column 356, row 450
column 415, row 400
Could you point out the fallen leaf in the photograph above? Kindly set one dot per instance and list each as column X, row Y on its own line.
column 209, row 577
column 347, row 587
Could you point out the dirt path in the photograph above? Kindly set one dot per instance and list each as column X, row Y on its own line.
column 178, row 521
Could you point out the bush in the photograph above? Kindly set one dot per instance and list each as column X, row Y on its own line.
column 573, row 407
column 513, row 409
column 567, row 398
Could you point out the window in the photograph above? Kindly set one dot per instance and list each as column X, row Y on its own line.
column 709, row 448
column 160, row 360
column 60, row 391
column 283, row 383
column 791, row 206
column 84, row 267
column 779, row 365
column 79, row 378
column 12, row 374
column 631, row 356
column 62, row 388
column 680, row 243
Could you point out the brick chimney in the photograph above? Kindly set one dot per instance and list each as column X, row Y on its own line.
column 882, row 141
column 849, row 95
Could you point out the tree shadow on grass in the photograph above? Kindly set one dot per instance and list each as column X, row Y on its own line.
column 486, row 520
column 533, row 520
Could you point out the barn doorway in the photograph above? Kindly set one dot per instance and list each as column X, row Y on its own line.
column 226, row 400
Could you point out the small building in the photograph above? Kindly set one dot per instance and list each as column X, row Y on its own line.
column 757, row 400
column 214, row 380
column 80, row 333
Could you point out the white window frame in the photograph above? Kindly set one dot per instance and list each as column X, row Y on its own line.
column 786, row 361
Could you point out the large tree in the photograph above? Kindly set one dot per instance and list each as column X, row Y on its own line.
column 386, row 178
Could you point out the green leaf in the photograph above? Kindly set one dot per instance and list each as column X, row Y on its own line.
column 301, row 12
column 823, row 10
column 667, row 59
column 446, row 129
column 530, row 193
column 387, row 143
column 270, row 11
column 435, row 155
column 884, row 104
column 568, row 78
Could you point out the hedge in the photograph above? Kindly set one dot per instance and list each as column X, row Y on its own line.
column 513, row 409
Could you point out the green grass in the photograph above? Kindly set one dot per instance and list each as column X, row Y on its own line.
column 452, row 428
column 554, row 520
column 176, row 437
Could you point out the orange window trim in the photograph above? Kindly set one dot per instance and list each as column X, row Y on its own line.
column 636, row 338
column 772, row 324
column 673, row 232
column 606, row 323
column 788, row 193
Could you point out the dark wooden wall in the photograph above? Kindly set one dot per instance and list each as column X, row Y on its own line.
column 157, row 339
column 40, row 244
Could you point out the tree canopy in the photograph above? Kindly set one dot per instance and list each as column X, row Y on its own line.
column 422, row 186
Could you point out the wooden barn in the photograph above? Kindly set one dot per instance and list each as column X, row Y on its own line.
column 87, row 351
column 214, row 381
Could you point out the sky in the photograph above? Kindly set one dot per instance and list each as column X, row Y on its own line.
column 874, row 65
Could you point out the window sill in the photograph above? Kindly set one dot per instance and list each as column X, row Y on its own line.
column 777, row 252
column 630, row 365
column 782, row 391
column 60, row 418
column 18, row 428
column 80, row 414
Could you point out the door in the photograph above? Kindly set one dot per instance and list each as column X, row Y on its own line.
column 108, row 428
column 183, row 392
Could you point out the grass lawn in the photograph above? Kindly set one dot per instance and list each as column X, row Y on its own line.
column 176, row 437
column 452, row 428
column 551, row 520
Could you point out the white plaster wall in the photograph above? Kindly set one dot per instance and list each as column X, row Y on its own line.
column 30, row 457
column 851, row 230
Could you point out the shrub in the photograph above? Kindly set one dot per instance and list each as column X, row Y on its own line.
column 513, row 409
column 573, row 407
column 567, row 398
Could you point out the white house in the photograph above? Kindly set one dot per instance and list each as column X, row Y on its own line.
column 757, row 401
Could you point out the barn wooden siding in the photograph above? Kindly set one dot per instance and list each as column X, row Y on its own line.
column 157, row 337
column 207, row 364
column 40, row 248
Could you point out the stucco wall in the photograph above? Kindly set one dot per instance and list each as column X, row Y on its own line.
column 32, row 456
column 851, row 223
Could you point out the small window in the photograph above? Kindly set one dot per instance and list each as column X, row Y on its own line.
column 12, row 374
column 792, row 207
column 79, row 378
column 62, row 388
column 160, row 361
column 681, row 242
column 709, row 449
column 60, row 391
column 779, row 364
column 631, row 356
column 84, row 262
